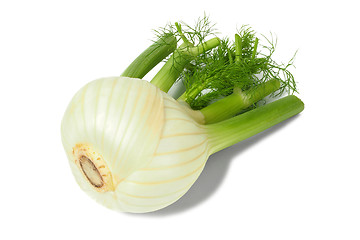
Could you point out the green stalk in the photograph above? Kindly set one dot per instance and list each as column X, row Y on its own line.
column 230, row 56
column 171, row 70
column 255, row 48
column 233, row 104
column 229, row 132
column 194, row 91
column 238, row 48
column 181, row 57
column 149, row 58
column 185, row 40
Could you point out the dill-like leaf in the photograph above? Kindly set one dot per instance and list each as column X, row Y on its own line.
column 215, row 74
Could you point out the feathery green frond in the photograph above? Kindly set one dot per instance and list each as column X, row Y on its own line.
column 218, row 72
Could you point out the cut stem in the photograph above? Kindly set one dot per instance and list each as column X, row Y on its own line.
column 149, row 58
column 231, row 131
column 238, row 48
column 233, row 104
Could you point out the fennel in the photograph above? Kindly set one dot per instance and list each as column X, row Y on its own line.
column 134, row 148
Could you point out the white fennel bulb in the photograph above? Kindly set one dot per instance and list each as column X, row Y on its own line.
column 131, row 146
column 134, row 148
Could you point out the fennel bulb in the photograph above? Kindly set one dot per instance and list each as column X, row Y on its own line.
column 134, row 148
column 131, row 146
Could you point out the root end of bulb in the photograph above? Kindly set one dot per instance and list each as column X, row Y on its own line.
column 93, row 167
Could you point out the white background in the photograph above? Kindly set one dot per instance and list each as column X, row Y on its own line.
column 298, row 180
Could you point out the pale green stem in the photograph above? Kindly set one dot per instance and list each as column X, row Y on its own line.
column 238, row 48
column 255, row 48
column 185, row 40
column 230, row 56
column 193, row 92
column 233, row 104
column 149, row 58
column 229, row 132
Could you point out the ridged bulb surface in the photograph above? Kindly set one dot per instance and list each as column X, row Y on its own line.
column 132, row 147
